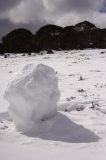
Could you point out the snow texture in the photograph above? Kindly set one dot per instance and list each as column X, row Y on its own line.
column 33, row 97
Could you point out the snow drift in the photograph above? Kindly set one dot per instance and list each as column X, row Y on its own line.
column 33, row 97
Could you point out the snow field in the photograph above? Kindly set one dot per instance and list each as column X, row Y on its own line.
column 81, row 110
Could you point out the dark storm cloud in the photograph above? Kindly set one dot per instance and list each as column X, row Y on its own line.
column 6, row 26
column 103, row 8
column 69, row 5
column 75, row 5
column 7, row 4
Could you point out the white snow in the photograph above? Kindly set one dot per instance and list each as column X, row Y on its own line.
column 33, row 97
column 78, row 131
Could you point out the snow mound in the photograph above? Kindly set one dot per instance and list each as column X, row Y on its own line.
column 33, row 97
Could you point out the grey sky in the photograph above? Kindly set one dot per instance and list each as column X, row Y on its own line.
column 32, row 14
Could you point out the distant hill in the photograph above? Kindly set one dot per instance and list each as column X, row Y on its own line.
column 51, row 37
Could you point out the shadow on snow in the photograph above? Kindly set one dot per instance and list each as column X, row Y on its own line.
column 61, row 128
column 65, row 130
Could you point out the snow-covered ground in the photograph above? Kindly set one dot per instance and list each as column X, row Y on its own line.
column 79, row 128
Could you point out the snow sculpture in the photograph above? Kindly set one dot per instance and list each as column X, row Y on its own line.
column 33, row 97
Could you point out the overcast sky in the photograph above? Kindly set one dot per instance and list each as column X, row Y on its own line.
column 32, row 14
